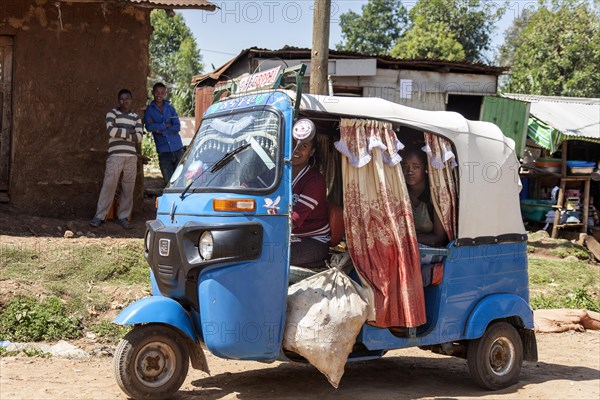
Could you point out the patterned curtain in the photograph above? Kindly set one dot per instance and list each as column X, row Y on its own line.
column 379, row 227
column 331, row 169
column 442, row 181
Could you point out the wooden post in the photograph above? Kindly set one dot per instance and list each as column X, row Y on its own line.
column 586, row 205
column 558, row 208
column 319, row 58
column 561, row 192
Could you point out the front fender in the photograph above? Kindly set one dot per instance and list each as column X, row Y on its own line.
column 494, row 307
column 157, row 309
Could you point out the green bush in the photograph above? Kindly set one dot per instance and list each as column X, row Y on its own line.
column 27, row 320
column 109, row 332
column 566, row 251
column 580, row 299
column 148, row 147
column 34, row 352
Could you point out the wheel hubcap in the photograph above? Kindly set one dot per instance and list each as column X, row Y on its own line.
column 502, row 356
column 155, row 364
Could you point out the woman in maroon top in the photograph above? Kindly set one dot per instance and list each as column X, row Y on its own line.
column 310, row 217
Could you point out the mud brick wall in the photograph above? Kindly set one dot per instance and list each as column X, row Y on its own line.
column 69, row 63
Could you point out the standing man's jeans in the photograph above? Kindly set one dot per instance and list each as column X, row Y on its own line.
column 168, row 162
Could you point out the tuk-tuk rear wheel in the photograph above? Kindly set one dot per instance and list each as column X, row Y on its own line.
column 151, row 362
column 496, row 358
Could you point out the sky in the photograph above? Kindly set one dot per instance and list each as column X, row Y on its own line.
column 238, row 25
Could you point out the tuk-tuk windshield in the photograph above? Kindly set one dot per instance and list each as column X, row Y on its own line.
column 230, row 152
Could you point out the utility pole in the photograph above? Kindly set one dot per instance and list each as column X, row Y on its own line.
column 319, row 58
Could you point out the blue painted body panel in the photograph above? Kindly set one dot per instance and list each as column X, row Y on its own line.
column 497, row 306
column 472, row 274
column 158, row 309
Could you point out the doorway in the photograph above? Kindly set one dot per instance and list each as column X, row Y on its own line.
column 469, row 106
column 6, row 68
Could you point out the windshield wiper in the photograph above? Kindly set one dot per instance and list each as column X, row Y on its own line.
column 223, row 161
column 228, row 157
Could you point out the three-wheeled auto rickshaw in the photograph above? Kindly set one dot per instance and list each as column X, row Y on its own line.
column 219, row 249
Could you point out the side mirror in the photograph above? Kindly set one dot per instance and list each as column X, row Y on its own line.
column 304, row 130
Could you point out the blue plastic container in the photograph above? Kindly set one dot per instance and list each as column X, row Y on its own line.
column 580, row 164
column 535, row 210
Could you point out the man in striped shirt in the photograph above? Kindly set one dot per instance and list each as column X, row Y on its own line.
column 124, row 129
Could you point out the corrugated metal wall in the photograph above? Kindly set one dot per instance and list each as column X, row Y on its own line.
column 510, row 115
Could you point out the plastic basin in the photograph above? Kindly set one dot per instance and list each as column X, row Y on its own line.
column 535, row 210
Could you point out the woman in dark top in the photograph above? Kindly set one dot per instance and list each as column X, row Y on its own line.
column 430, row 230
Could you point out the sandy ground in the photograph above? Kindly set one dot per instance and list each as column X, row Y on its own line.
column 569, row 368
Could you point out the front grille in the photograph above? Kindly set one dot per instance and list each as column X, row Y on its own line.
column 166, row 271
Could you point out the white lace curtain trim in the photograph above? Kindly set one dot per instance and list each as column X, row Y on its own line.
column 374, row 134
column 439, row 162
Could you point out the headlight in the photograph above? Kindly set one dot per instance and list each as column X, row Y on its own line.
column 147, row 241
column 205, row 245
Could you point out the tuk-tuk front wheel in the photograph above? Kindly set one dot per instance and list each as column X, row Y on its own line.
column 151, row 362
column 496, row 358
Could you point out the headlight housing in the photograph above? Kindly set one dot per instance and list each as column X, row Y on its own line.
column 147, row 241
column 205, row 245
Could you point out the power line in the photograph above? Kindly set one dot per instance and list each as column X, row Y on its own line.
column 219, row 52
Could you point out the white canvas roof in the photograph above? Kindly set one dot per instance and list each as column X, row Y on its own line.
column 489, row 180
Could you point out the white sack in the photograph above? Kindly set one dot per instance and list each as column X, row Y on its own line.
column 325, row 313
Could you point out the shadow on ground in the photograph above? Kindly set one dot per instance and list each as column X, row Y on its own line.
column 386, row 378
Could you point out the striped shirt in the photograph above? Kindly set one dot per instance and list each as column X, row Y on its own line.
column 121, row 141
column 310, row 215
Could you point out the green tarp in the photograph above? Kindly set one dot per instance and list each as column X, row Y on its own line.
column 543, row 134
column 548, row 137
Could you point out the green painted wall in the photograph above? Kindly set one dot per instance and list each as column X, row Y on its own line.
column 510, row 115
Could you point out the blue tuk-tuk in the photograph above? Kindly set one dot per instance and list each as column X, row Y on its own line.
column 219, row 249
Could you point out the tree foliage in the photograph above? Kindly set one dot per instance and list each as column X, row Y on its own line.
column 433, row 41
column 174, row 59
column 439, row 28
column 375, row 30
column 554, row 50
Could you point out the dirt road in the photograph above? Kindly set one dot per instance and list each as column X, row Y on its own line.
column 569, row 368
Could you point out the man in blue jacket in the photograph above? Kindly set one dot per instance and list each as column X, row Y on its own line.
column 161, row 119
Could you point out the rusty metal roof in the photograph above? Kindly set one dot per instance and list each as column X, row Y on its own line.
column 383, row 61
column 174, row 4
column 167, row 4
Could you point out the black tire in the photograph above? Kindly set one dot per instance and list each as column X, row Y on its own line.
column 151, row 362
column 495, row 359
